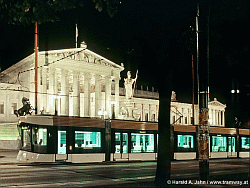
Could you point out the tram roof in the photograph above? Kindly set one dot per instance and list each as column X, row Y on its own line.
column 71, row 121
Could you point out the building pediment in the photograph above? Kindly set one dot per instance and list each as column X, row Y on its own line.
column 215, row 102
column 80, row 55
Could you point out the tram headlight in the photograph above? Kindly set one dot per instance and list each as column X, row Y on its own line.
column 70, row 148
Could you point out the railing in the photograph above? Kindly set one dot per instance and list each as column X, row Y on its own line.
column 138, row 93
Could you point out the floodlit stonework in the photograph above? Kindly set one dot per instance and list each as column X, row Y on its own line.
column 78, row 82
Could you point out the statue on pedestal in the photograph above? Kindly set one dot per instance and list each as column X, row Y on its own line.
column 128, row 83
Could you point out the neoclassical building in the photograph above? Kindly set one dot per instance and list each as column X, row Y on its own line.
column 78, row 82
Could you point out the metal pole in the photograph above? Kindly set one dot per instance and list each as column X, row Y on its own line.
column 193, row 90
column 36, row 64
column 202, row 61
column 76, row 35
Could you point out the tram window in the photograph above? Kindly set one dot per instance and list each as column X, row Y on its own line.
column 245, row 143
column 26, row 140
column 219, row 143
column 125, row 142
column 39, row 136
column 39, row 139
column 117, row 142
column 142, row 143
column 185, row 141
column 87, row 140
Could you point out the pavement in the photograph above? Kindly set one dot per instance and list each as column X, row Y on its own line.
column 8, row 157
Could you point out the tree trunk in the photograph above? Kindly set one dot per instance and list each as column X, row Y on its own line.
column 163, row 171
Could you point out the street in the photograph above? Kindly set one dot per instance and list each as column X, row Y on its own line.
column 115, row 174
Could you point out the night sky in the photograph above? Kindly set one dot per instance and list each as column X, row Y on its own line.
column 138, row 33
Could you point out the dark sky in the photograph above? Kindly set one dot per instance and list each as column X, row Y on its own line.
column 138, row 33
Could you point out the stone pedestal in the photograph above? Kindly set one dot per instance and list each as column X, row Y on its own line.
column 129, row 103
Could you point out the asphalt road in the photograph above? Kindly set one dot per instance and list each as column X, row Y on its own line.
column 118, row 174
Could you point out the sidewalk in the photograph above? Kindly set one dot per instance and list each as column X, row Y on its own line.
column 8, row 157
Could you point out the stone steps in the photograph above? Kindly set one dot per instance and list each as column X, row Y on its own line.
column 8, row 131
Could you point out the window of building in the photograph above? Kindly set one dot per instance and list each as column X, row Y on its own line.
column 1, row 108
column 153, row 117
column 146, row 116
column 245, row 143
column 173, row 119
column 14, row 107
column 142, row 142
column 186, row 120
column 219, row 144
column 185, row 141
column 87, row 140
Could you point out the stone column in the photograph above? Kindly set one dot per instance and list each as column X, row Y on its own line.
column 43, row 101
column 116, row 97
column 64, row 92
column 215, row 117
column 86, row 95
column 7, row 104
column 219, row 118
column 32, row 88
column 51, row 101
column 223, row 118
column 76, row 94
column 108, row 96
column 56, row 93
column 97, row 94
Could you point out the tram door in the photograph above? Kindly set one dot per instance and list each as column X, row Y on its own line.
column 231, row 147
column 61, row 146
column 121, row 145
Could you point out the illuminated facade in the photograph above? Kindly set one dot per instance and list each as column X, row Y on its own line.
column 78, row 82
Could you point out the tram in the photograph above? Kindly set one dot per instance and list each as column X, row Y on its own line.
column 84, row 140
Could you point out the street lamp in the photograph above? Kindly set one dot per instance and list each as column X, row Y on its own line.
column 113, row 109
column 102, row 114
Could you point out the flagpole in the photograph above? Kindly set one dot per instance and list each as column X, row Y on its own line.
column 135, row 81
column 76, row 35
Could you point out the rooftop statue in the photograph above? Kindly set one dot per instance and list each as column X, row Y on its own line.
column 128, row 83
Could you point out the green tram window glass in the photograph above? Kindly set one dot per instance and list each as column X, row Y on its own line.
column 117, row 143
column 185, row 141
column 245, row 143
column 219, row 144
column 39, row 139
column 125, row 142
column 231, row 144
column 142, row 143
column 61, row 142
column 26, row 140
column 87, row 140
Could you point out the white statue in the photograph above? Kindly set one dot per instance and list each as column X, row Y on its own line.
column 128, row 83
column 173, row 96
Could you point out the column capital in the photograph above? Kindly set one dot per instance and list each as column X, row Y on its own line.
column 52, row 69
column 98, row 76
column 74, row 72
